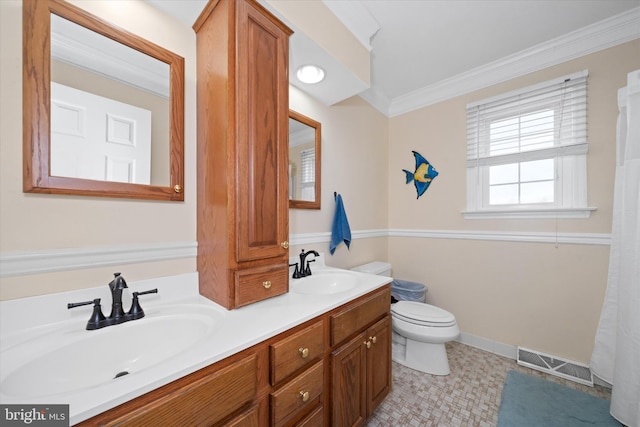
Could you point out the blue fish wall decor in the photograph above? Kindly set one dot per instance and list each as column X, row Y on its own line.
column 423, row 175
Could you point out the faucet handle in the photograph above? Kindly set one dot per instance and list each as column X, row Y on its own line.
column 307, row 271
column 97, row 319
column 136, row 311
column 296, row 272
column 80, row 304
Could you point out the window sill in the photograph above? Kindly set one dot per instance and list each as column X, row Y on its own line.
column 559, row 213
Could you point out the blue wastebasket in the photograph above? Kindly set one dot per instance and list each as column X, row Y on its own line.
column 404, row 290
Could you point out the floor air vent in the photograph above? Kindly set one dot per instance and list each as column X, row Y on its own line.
column 555, row 366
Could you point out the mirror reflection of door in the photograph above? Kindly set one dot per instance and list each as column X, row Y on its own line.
column 93, row 137
column 109, row 109
column 302, row 161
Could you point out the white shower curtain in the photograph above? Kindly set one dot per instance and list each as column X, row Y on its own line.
column 616, row 354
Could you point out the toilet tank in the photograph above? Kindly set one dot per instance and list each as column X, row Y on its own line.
column 376, row 267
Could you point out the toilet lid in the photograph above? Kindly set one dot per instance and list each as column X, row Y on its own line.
column 422, row 314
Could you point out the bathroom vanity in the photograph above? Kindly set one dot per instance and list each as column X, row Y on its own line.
column 318, row 355
column 334, row 367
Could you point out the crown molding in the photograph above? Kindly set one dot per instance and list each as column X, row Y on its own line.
column 93, row 52
column 302, row 136
column 377, row 100
column 610, row 32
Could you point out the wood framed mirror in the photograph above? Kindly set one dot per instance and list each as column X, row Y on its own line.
column 139, row 151
column 305, row 136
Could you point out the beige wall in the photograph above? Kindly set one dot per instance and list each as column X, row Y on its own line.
column 534, row 295
column 31, row 222
column 354, row 164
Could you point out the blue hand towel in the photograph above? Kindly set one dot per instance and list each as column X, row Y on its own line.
column 340, row 231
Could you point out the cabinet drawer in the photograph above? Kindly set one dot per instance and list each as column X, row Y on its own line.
column 297, row 395
column 360, row 315
column 298, row 350
column 314, row 419
column 203, row 402
column 259, row 283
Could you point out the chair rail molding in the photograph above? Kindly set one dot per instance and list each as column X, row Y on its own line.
column 54, row 260
column 325, row 237
column 508, row 236
column 503, row 236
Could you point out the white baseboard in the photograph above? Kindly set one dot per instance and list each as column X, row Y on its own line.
column 495, row 347
column 599, row 381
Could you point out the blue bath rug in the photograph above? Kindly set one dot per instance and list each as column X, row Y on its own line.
column 529, row 401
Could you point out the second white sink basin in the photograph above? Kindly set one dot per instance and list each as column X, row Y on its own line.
column 70, row 359
column 325, row 283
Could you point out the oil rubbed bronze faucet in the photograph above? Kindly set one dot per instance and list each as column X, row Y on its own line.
column 306, row 270
column 117, row 316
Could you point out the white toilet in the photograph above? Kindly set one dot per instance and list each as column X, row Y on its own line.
column 419, row 330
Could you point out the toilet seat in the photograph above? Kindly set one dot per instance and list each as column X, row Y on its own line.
column 422, row 314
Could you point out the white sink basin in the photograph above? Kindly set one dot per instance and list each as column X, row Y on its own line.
column 325, row 283
column 70, row 359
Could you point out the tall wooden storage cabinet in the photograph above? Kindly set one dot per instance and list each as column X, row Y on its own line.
column 243, row 108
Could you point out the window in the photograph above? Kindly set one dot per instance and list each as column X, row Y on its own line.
column 308, row 172
column 526, row 152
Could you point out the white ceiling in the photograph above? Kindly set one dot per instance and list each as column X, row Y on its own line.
column 422, row 42
column 427, row 50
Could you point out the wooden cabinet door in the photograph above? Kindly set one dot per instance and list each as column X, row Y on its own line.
column 348, row 381
column 262, row 136
column 378, row 363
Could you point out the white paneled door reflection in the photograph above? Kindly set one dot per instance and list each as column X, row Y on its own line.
column 93, row 137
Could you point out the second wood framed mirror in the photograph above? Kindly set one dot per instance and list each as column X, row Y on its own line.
column 305, row 138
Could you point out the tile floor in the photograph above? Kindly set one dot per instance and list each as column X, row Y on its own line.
column 469, row 396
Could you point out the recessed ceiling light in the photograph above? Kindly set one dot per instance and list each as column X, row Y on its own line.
column 310, row 74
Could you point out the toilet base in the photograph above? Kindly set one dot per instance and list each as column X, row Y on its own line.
column 424, row 357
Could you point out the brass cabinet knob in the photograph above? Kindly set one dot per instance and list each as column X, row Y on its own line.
column 304, row 395
column 373, row 339
column 177, row 188
column 304, row 352
column 266, row 284
column 285, row 245
column 368, row 344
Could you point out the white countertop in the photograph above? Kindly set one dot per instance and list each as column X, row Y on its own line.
column 29, row 318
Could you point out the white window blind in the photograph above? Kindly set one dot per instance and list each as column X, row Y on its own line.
column 542, row 121
column 527, row 149
column 308, row 166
